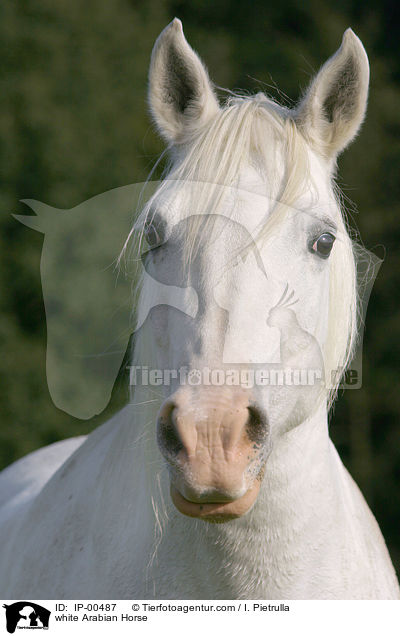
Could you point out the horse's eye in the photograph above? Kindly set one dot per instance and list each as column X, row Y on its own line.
column 323, row 244
column 152, row 235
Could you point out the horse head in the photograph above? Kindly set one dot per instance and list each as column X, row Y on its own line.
column 247, row 177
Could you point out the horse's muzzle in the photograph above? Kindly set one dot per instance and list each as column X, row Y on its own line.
column 214, row 440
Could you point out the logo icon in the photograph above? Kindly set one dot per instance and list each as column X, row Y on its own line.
column 26, row 615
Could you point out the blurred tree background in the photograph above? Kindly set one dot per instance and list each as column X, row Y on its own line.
column 74, row 123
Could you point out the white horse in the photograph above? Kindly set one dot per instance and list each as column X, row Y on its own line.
column 238, row 492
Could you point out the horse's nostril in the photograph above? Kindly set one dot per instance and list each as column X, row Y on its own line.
column 257, row 425
column 167, row 435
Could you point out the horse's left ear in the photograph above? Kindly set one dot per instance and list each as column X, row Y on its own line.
column 181, row 96
column 332, row 110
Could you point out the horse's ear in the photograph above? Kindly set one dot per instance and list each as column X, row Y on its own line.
column 180, row 93
column 333, row 108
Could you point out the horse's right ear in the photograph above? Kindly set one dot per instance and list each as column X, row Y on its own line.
column 180, row 93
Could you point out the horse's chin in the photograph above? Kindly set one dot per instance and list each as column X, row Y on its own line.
column 219, row 512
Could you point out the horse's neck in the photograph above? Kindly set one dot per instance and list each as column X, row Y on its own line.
column 300, row 459
column 303, row 482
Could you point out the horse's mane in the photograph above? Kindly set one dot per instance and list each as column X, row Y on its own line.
column 247, row 131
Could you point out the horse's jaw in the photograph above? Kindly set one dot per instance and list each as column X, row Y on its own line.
column 216, row 512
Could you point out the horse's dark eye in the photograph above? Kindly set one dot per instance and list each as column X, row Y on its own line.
column 152, row 236
column 323, row 245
